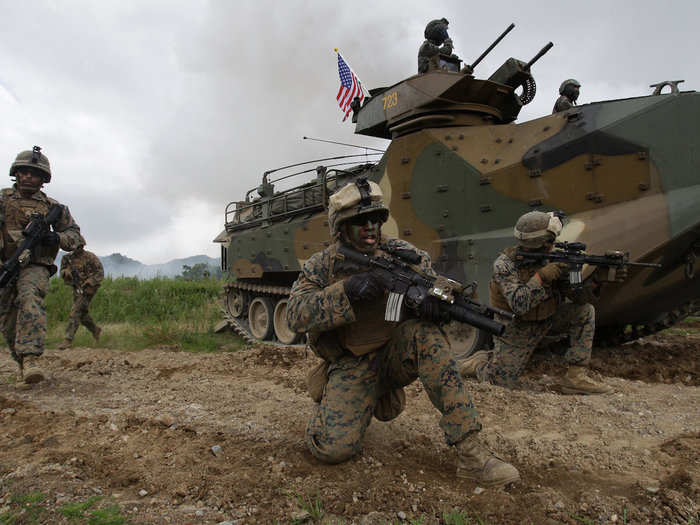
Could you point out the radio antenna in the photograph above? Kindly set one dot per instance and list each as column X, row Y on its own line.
column 343, row 144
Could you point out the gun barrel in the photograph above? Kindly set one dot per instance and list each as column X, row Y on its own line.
column 646, row 265
column 495, row 43
column 539, row 55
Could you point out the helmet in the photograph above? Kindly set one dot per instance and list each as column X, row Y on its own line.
column 436, row 30
column 536, row 228
column 568, row 82
column 32, row 159
column 353, row 199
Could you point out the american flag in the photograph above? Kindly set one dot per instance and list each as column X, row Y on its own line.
column 350, row 87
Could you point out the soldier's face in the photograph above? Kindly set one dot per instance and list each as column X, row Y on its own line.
column 29, row 181
column 363, row 232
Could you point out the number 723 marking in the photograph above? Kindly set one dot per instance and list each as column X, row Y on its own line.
column 390, row 100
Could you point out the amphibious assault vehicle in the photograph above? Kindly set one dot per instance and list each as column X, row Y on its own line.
column 459, row 172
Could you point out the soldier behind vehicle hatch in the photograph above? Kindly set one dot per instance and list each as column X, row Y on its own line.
column 83, row 271
column 536, row 295
column 366, row 360
column 437, row 42
column 568, row 94
column 22, row 307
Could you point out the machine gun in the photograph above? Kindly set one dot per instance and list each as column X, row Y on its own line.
column 572, row 253
column 39, row 226
column 410, row 287
column 470, row 68
column 516, row 73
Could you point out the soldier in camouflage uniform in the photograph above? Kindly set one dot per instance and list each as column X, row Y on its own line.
column 83, row 271
column 367, row 360
column 568, row 94
column 437, row 42
column 22, row 308
column 536, row 295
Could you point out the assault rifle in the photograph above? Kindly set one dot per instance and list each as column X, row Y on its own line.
column 409, row 287
column 572, row 253
column 39, row 226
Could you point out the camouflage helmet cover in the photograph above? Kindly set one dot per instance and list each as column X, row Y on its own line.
column 568, row 82
column 33, row 158
column 436, row 30
column 353, row 199
column 536, row 228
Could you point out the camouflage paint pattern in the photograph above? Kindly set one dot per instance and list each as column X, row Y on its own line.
column 23, row 312
column 624, row 171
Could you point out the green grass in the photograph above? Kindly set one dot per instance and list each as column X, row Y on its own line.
column 136, row 314
column 312, row 505
column 29, row 509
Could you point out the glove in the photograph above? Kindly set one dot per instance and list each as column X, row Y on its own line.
column 363, row 287
column 552, row 271
column 429, row 310
column 50, row 239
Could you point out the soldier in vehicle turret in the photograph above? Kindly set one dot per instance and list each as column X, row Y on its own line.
column 366, row 360
column 568, row 94
column 22, row 307
column 537, row 297
column 437, row 42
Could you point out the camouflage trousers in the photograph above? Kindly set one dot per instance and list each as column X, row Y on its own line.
column 513, row 349
column 23, row 312
column 80, row 313
column 417, row 350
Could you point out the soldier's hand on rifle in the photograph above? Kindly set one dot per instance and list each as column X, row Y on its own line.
column 363, row 287
column 552, row 271
column 50, row 239
column 429, row 310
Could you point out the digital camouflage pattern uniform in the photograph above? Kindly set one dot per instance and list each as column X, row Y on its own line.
column 84, row 272
column 403, row 352
column 539, row 309
column 22, row 308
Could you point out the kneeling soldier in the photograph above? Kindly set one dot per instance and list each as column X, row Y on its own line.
column 367, row 360
column 536, row 295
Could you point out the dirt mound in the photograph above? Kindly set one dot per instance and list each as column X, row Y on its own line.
column 204, row 438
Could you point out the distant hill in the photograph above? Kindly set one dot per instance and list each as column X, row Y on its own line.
column 118, row 265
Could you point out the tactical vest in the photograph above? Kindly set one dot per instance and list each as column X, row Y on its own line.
column 17, row 213
column 542, row 311
column 369, row 331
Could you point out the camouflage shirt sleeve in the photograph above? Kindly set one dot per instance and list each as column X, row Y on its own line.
column 314, row 305
column 97, row 272
column 68, row 231
column 521, row 297
column 65, row 270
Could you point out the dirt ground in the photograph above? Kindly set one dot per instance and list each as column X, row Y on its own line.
column 138, row 429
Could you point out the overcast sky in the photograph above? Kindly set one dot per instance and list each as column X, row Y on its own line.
column 155, row 114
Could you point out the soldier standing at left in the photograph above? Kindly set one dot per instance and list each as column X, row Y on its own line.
column 22, row 307
column 84, row 272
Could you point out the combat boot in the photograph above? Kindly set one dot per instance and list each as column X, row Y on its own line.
column 65, row 344
column 576, row 381
column 96, row 334
column 31, row 373
column 473, row 364
column 477, row 463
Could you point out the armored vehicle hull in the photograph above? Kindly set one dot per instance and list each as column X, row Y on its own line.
column 626, row 173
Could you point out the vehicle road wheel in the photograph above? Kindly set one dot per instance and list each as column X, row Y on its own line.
column 235, row 302
column 465, row 339
column 283, row 332
column 260, row 315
